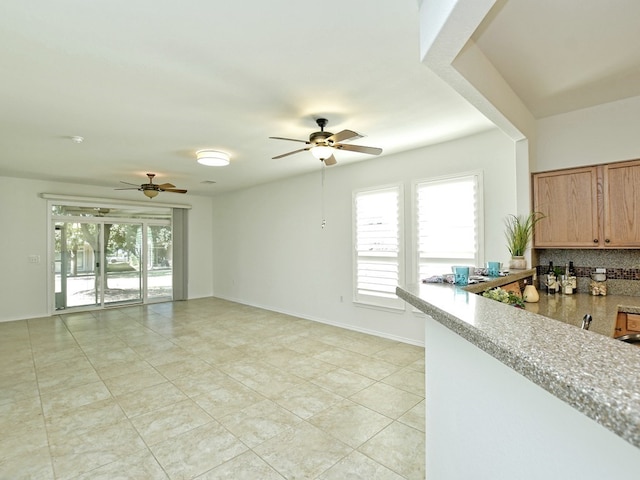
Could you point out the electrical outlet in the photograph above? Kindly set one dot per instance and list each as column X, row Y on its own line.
column 34, row 258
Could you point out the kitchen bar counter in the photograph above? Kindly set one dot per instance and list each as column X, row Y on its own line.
column 595, row 375
column 514, row 276
column 571, row 308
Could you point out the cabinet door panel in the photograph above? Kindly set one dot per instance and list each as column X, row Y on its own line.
column 622, row 205
column 633, row 322
column 569, row 201
column 621, row 325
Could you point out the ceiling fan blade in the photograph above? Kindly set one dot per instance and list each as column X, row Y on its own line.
column 129, row 188
column 134, row 184
column 164, row 186
column 343, row 135
column 330, row 161
column 291, row 153
column 290, row 139
column 358, row 148
column 173, row 190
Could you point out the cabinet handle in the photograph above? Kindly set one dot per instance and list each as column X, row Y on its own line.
column 595, row 240
column 607, row 240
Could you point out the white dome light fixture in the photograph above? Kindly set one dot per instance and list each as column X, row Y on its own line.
column 150, row 193
column 321, row 152
column 212, row 158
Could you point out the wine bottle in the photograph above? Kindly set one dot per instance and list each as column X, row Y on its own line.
column 567, row 284
column 552, row 285
column 573, row 277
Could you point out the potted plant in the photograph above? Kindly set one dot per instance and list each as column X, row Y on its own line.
column 519, row 232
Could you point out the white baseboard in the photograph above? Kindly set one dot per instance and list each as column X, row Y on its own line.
column 354, row 328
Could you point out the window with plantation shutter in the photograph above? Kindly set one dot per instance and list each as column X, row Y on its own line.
column 378, row 246
column 449, row 224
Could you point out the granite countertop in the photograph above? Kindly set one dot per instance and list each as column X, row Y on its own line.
column 594, row 374
column 571, row 308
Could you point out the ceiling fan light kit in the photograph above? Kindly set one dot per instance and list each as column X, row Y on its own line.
column 151, row 190
column 321, row 152
column 151, row 193
column 322, row 144
column 212, row 158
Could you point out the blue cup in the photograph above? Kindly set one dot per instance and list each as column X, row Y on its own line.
column 461, row 275
column 493, row 269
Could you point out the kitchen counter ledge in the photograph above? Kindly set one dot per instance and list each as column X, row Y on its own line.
column 594, row 374
column 571, row 308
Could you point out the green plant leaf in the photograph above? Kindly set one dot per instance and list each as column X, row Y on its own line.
column 519, row 231
column 503, row 296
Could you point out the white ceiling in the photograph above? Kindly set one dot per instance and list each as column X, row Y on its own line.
column 564, row 55
column 149, row 83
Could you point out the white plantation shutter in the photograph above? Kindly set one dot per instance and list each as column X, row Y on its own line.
column 378, row 246
column 448, row 224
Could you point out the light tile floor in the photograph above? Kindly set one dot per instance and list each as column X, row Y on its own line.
column 206, row 389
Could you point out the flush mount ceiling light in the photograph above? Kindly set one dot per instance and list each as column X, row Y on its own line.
column 212, row 158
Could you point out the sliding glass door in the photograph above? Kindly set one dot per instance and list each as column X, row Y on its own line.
column 111, row 256
column 159, row 262
column 123, row 261
column 77, row 264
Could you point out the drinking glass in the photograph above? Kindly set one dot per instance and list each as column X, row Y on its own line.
column 461, row 275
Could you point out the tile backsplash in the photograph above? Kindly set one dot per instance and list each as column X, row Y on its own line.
column 623, row 267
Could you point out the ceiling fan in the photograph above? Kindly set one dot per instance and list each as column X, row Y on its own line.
column 322, row 144
column 152, row 189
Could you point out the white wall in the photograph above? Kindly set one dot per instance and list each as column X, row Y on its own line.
column 24, row 219
column 200, row 275
column 601, row 134
column 270, row 250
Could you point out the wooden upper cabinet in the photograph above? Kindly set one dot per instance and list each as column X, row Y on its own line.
column 589, row 207
column 568, row 199
column 622, row 205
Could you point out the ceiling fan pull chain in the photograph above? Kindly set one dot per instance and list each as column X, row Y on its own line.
column 324, row 222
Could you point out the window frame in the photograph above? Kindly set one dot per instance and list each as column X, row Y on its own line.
column 479, row 217
column 391, row 302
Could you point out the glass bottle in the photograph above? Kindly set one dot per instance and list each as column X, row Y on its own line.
column 552, row 285
column 573, row 277
column 567, row 286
